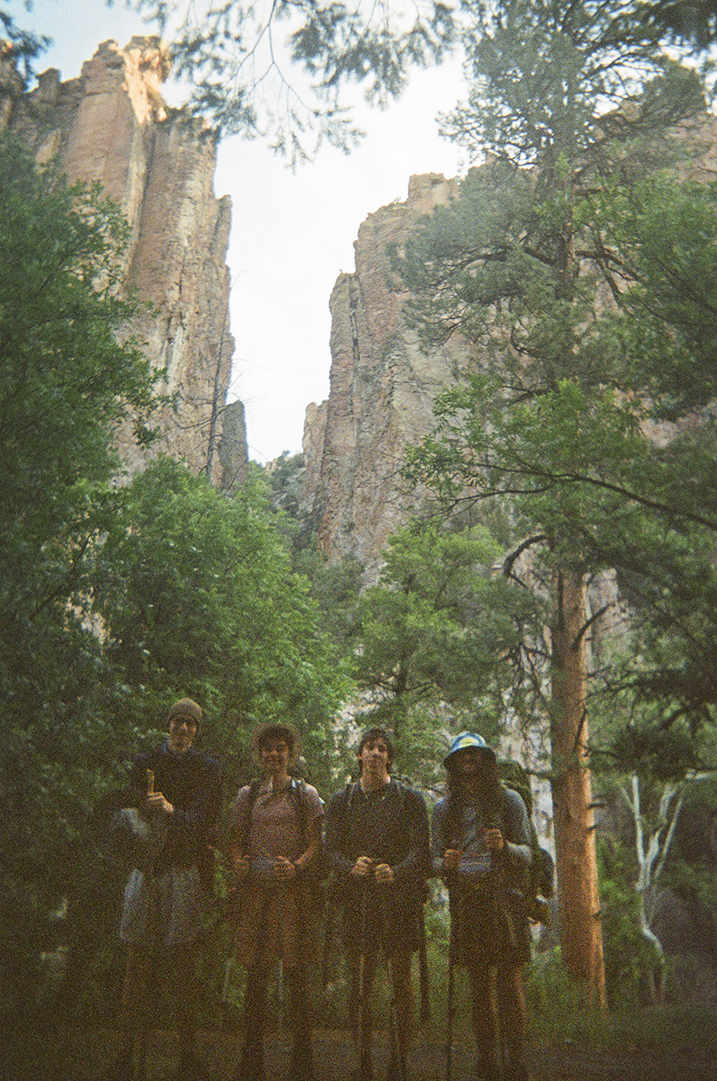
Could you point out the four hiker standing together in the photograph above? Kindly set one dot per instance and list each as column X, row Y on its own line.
column 374, row 838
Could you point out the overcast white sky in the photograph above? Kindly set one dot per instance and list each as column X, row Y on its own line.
column 292, row 233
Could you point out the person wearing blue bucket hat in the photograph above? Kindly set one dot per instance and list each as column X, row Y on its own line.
column 481, row 847
column 462, row 742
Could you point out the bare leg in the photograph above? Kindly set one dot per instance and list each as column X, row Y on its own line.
column 485, row 1020
column 513, row 1020
column 136, row 1008
column 301, row 1020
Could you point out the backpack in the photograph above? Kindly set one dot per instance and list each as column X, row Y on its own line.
column 317, row 871
column 403, row 787
column 336, row 895
column 541, row 881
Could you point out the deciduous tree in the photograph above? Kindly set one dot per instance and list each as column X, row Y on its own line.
column 65, row 384
column 196, row 595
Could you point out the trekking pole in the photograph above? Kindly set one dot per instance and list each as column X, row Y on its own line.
column 452, row 939
column 396, row 1054
column 328, row 938
column 423, row 970
column 141, row 1045
column 281, row 996
column 363, row 1040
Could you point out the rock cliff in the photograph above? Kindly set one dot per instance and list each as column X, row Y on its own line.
column 110, row 125
column 382, row 389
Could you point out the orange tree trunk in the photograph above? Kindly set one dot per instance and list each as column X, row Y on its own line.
column 580, row 923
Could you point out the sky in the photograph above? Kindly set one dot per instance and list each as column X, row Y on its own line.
column 292, row 232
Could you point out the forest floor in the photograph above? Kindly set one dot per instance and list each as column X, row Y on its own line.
column 85, row 1055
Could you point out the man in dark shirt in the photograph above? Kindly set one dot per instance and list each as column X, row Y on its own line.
column 377, row 843
column 176, row 797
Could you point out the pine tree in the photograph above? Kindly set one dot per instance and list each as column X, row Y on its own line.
column 566, row 98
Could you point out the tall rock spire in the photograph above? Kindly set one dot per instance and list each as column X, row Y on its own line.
column 111, row 125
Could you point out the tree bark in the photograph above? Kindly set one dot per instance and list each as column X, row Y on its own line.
column 580, row 919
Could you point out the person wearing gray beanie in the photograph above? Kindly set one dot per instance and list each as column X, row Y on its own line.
column 167, row 833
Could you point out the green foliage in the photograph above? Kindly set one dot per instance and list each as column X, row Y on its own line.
column 693, row 21
column 660, row 266
column 116, row 598
column 543, row 76
column 336, row 588
column 554, row 1008
column 557, row 1016
column 232, row 58
column 26, row 47
column 198, row 597
column 438, row 639
column 65, row 385
column 690, row 873
column 629, row 956
column 66, row 382
column 566, row 419
column 579, row 271
column 188, row 591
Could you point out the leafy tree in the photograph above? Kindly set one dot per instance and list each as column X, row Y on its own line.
column 691, row 21
column 115, row 597
column 25, row 46
column 438, row 637
column 187, row 591
column 280, row 69
column 197, row 596
column 234, row 59
column 640, row 852
column 582, row 448
column 517, row 266
column 65, row 384
column 66, row 381
column 690, row 872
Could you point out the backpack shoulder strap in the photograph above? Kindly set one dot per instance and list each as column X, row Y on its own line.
column 297, row 790
column 245, row 823
column 350, row 792
column 504, row 795
column 402, row 789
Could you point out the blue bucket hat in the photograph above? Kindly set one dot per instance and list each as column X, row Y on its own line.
column 465, row 741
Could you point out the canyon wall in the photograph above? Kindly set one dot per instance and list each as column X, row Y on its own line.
column 382, row 389
column 110, row 125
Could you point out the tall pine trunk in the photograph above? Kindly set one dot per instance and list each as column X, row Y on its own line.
column 580, row 922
